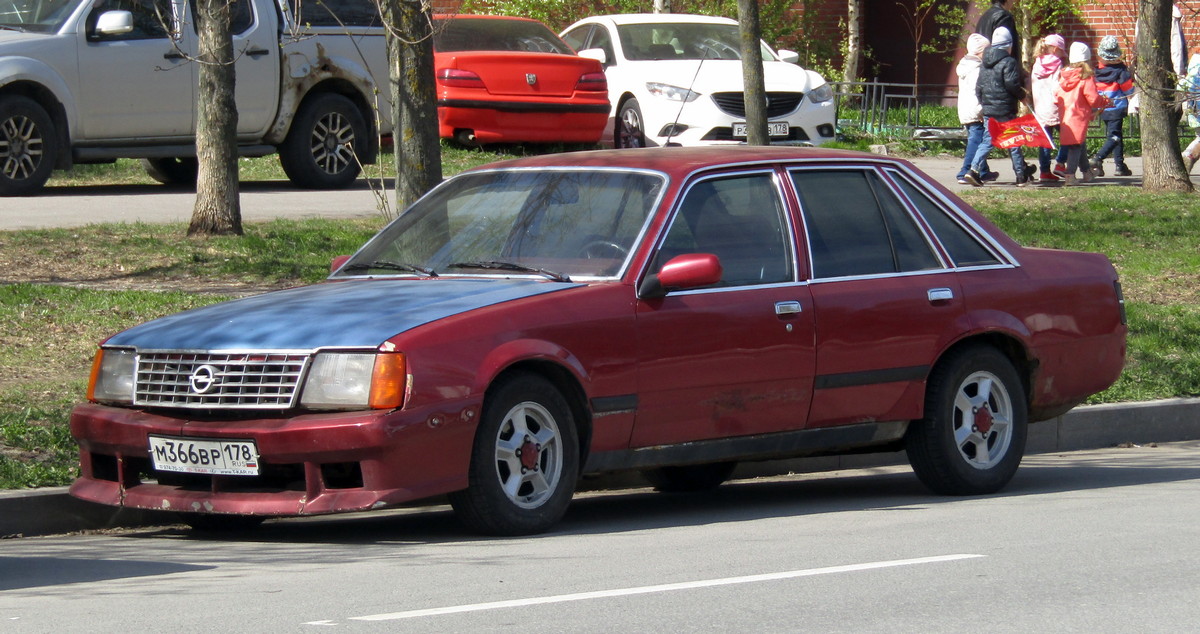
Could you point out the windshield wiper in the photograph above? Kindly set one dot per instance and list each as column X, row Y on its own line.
column 509, row 266
column 392, row 266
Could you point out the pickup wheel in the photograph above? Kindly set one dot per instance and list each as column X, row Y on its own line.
column 524, row 462
column 973, row 435
column 177, row 172
column 319, row 150
column 28, row 146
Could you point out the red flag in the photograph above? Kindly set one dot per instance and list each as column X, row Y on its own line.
column 1024, row 130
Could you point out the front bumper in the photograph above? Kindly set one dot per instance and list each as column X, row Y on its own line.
column 701, row 122
column 309, row 464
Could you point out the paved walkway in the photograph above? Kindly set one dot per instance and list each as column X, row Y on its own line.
column 945, row 170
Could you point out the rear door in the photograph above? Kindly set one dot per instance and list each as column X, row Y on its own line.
column 735, row 359
column 255, row 30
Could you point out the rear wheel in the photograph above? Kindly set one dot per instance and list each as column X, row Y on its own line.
column 976, row 419
column 525, row 460
column 630, row 127
column 28, row 146
column 176, row 171
column 323, row 149
column 688, row 478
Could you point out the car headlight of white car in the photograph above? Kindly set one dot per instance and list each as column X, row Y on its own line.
column 674, row 93
column 821, row 94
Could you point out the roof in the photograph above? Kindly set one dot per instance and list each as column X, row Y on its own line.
column 658, row 18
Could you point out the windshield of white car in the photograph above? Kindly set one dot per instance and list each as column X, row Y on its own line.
column 683, row 40
column 37, row 16
column 572, row 222
column 489, row 34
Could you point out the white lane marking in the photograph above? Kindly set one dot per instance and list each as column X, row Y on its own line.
column 667, row 587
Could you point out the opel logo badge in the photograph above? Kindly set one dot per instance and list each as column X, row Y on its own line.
column 203, row 379
column 530, row 78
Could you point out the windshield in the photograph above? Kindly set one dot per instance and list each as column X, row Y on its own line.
column 683, row 40
column 486, row 34
column 549, row 223
column 38, row 16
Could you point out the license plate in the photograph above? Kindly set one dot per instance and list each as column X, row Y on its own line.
column 209, row 456
column 774, row 128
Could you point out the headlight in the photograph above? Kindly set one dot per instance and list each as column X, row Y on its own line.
column 355, row 380
column 112, row 376
column 821, row 94
column 674, row 93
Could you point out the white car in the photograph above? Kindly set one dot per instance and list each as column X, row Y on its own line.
column 676, row 79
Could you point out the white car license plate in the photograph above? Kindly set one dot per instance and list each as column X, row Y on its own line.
column 774, row 128
column 208, row 456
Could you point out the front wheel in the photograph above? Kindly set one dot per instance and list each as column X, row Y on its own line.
column 630, row 127
column 324, row 147
column 525, row 460
column 976, row 419
column 28, row 146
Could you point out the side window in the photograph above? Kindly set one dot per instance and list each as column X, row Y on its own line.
column 741, row 221
column 964, row 249
column 577, row 38
column 856, row 226
column 336, row 13
column 152, row 19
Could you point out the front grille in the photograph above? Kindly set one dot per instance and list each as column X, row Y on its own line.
column 778, row 103
column 218, row 380
column 795, row 134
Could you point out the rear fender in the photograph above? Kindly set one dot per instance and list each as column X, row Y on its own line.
column 302, row 73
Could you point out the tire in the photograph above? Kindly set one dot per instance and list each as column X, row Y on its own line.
column 320, row 149
column 976, row 420
column 630, row 128
column 525, row 460
column 28, row 146
column 176, row 172
column 689, row 478
column 209, row 523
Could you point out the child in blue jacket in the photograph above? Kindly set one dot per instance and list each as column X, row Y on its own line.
column 1113, row 80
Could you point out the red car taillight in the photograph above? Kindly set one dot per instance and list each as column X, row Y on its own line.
column 459, row 78
column 592, row 82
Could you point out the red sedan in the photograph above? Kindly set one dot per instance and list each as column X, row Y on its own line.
column 512, row 80
column 671, row 310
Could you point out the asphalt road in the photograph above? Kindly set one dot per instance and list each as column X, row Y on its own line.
column 1099, row 540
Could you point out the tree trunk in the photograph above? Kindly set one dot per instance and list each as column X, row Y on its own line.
column 853, row 40
column 754, row 86
column 414, row 102
column 217, row 209
column 1161, row 160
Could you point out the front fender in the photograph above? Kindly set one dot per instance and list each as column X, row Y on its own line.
column 511, row 353
column 42, row 82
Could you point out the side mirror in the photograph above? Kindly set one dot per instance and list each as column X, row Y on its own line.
column 114, row 23
column 337, row 263
column 791, row 57
column 682, row 272
column 596, row 54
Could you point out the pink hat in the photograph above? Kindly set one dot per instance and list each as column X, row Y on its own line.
column 1054, row 39
column 977, row 44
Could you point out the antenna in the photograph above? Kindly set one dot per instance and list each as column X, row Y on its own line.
column 683, row 102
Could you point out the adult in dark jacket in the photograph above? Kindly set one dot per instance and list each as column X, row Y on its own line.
column 1000, row 89
column 995, row 17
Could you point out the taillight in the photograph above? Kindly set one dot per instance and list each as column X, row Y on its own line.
column 592, row 82
column 457, row 78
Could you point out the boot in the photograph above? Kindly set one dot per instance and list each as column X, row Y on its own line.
column 1123, row 170
column 1097, row 168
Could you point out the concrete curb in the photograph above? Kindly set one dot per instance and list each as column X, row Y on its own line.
column 52, row 511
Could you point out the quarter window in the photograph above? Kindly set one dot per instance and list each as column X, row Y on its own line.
column 964, row 249
column 857, row 226
column 741, row 221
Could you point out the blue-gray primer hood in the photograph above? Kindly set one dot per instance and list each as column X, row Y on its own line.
column 352, row 314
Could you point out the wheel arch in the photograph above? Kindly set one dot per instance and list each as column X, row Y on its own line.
column 566, row 382
column 293, row 100
column 50, row 100
column 1010, row 346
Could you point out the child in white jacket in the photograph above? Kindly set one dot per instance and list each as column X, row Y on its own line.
column 969, row 113
column 1052, row 56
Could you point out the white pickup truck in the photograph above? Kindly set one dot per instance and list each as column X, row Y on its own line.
column 90, row 81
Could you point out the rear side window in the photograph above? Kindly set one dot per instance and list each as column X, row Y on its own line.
column 857, row 226
column 964, row 249
column 337, row 13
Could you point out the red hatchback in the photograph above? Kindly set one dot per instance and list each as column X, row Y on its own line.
column 512, row 80
column 670, row 310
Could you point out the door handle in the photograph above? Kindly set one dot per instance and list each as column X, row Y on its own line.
column 787, row 308
column 174, row 55
column 257, row 52
column 940, row 295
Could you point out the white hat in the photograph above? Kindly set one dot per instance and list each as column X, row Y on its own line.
column 1079, row 53
column 977, row 44
column 1002, row 37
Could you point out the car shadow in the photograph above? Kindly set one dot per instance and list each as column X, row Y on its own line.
column 245, row 187
column 36, row 572
column 618, row 511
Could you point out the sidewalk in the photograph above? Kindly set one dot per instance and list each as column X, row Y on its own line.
column 945, row 170
column 52, row 510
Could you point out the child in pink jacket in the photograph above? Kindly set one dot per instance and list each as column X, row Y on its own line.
column 1078, row 101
